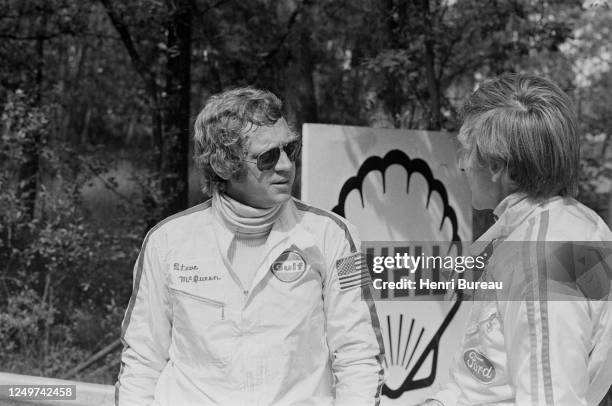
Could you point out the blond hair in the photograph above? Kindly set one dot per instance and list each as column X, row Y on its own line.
column 221, row 132
column 526, row 124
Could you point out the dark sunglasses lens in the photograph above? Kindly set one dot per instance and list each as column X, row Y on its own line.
column 268, row 159
column 293, row 150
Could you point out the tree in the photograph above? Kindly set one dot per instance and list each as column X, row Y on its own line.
column 168, row 87
column 28, row 28
column 442, row 47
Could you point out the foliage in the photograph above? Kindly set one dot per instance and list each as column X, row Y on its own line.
column 58, row 269
column 440, row 51
column 590, row 56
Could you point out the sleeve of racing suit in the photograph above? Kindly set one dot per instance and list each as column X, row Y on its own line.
column 547, row 342
column 146, row 328
column 353, row 331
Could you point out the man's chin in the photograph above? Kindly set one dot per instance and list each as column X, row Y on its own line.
column 282, row 194
column 283, row 197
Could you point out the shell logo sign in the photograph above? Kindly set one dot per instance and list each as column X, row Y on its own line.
column 403, row 192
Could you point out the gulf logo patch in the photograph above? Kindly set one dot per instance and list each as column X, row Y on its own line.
column 289, row 266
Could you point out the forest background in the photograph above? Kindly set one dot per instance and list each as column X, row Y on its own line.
column 98, row 97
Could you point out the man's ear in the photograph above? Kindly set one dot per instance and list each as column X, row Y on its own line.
column 501, row 176
column 497, row 171
column 225, row 175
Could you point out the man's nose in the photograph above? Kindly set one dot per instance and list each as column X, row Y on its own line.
column 284, row 163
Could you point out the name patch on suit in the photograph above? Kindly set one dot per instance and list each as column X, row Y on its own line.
column 193, row 272
column 289, row 266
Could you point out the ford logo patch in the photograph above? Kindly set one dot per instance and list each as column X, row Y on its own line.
column 479, row 365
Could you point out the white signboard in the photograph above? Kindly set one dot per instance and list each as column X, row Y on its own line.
column 399, row 188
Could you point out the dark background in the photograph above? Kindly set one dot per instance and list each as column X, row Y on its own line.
column 98, row 99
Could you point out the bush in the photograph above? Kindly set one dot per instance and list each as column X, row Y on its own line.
column 65, row 280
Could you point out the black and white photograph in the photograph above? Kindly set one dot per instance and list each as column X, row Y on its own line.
column 306, row 202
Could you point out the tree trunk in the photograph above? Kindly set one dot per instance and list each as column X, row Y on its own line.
column 433, row 85
column 176, row 118
column 299, row 86
column 28, row 173
column 395, row 14
column 84, row 137
column 29, row 168
column 130, row 130
column 299, row 91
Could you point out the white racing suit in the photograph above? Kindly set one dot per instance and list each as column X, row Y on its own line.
column 193, row 335
column 537, row 342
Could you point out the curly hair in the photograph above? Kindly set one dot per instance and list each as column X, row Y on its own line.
column 527, row 124
column 221, row 128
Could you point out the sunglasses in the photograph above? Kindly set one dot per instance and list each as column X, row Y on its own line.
column 268, row 159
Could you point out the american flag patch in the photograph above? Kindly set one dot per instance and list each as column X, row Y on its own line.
column 352, row 271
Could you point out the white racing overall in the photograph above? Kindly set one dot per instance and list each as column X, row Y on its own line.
column 194, row 335
column 529, row 346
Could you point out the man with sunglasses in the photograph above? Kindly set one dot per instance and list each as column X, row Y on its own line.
column 252, row 297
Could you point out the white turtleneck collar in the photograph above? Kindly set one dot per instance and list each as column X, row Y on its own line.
column 243, row 219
